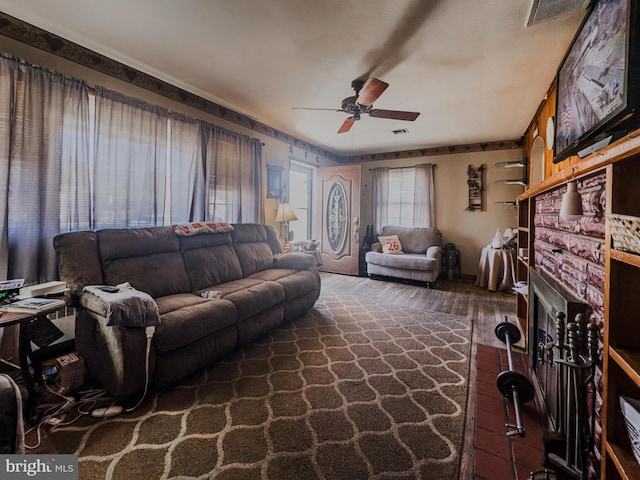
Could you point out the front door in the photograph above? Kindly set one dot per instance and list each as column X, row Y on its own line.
column 339, row 222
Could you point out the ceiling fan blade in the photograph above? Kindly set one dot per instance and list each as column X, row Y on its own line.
column 371, row 90
column 324, row 109
column 346, row 125
column 394, row 114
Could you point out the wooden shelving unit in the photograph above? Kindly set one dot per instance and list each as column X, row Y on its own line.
column 621, row 361
column 525, row 237
column 621, row 350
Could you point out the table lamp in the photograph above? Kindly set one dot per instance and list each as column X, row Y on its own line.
column 285, row 214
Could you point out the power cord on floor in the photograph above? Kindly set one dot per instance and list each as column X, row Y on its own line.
column 87, row 401
column 56, row 415
column 149, row 332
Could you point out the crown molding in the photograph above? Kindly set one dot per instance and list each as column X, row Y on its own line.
column 434, row 151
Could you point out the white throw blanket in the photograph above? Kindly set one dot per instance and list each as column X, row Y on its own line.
column 127, row 307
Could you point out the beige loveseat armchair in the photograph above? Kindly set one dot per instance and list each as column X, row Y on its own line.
column 420, row 260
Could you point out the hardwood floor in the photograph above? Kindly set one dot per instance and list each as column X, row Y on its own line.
column 486, row 309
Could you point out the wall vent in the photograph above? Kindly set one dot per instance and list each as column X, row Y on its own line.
column 542, row 10
column 400, row 131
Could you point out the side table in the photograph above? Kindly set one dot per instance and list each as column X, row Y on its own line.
column 31, row 326
column 496, row 269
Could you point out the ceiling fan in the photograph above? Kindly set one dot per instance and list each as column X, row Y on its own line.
column 362, row 102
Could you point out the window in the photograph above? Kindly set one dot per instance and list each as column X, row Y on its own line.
column 401, row 197
column 301, row 180
column 404, row 197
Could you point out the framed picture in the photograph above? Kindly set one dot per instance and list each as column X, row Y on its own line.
column 274, row 181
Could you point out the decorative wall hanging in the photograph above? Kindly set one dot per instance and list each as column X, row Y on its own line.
column 476, row 191
column 274, row 181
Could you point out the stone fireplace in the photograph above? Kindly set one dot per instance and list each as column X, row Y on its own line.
column 567, row 275
column 548, row 298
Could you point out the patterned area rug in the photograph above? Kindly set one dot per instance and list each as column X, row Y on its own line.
column 352, row 390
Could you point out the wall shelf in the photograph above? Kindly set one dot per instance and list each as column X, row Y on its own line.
column 518, row 164
column 514, row 181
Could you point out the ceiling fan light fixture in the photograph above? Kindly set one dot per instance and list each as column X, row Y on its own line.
column 362, row 103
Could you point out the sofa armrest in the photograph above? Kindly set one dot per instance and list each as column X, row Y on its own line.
column 114, row 355
column 125, row 307
column 294, row 260
column 435, row 251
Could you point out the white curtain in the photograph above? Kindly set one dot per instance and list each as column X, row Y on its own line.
column 233, row 169
column 188, row 182
column 380, row 199
column 130, row 161
column 403, row 196
column 424, row 213
column 44, row 166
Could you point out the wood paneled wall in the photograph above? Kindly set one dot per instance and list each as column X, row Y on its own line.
column 542, row 126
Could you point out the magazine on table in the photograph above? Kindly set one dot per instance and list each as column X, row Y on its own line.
column 34, row 305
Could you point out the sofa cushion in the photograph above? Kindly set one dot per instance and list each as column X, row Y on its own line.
column 298, row 283
column 294, row 282
column 148, row 258
column 414, row 240
column 185, row 318
column 251, row 295
column 294, row 260
column 410, row 261
column 210, row 260
column 252, row 246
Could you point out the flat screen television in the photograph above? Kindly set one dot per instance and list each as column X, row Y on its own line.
column 598, row 82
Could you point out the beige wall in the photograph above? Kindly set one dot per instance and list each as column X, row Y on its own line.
column 469, row 231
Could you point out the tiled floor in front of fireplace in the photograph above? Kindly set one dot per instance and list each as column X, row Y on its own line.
column 498, row 456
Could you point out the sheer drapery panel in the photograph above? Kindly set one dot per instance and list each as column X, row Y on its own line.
column 380, row 198
column 404, row 197
column 188, row 180
column 233, row 170
column 130, row 161
column 70, row 160
column 44, row 166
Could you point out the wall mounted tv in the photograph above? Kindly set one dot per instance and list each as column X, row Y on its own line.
column 598, row 89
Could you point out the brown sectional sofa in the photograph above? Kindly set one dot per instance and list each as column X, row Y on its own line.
column 260, row 288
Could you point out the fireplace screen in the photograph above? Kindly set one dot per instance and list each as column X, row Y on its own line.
column 563, row 354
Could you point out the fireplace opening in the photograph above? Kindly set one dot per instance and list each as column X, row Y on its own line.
column 563, row 356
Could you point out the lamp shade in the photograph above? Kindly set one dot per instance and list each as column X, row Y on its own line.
column 285, row 213
column 571, row 207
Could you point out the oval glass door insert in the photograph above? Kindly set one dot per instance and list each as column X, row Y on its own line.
column 337, row 217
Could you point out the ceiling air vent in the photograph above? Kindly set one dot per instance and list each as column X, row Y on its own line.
column 542, row 10
column 400, row 131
